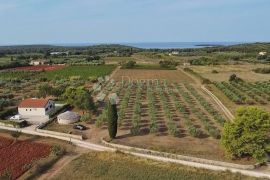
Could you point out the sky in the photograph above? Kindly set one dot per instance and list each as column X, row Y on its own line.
column 113, row 21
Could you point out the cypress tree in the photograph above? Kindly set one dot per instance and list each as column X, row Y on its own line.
column 112, row 119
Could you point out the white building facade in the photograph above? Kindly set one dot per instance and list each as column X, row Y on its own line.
column 36, row 107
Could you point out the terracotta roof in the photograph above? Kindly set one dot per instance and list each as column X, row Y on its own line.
column 33, row 103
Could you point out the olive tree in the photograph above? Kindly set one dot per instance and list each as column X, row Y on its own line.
column 248, row 134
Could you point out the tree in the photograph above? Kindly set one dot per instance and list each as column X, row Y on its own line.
column 129, row 64
column 16, row 134
column 247, row 135
column 234, row 78
column 112, row 119
column 80, row 98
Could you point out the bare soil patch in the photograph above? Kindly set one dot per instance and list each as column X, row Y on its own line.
column 169, row 75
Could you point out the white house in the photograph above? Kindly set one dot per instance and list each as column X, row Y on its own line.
column 37, row 62
column 36, row 107
column 263, row 53
column 59, row 53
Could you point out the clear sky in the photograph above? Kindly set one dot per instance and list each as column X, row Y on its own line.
column 112, row 21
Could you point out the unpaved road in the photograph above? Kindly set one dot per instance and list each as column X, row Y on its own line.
column 219, row 103
column 96, row 147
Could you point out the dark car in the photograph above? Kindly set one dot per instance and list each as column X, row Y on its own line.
column 79, row 127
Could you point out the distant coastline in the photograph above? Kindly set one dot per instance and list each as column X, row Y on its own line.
column 147, row 45
column 180, row 45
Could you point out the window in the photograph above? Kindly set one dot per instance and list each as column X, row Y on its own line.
column 46, row 109
column 25, row 109
column 30, row 109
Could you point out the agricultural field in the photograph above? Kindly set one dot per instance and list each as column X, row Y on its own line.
column 84, row 72
column 243, row 93
column 144, row 75
column 124, row 167
column 223, row 72
column 30, row 156
column 16, row 156
column 4, row 60
column 118, row 60
column 37, row 68
column 170, row 117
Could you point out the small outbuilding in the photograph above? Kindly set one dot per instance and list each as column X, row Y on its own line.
column 68, row 117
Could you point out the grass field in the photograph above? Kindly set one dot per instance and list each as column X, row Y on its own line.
column 4, row 60
column 108, row 166
column 18, row 74
column 224, row 71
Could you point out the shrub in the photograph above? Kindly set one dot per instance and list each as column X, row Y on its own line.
column 129, row 65
column 195, row 132
column 168, row 64
column 214, row 71
column 57, row 150
column 86, row 117
column 265, row 70
column 234, row 78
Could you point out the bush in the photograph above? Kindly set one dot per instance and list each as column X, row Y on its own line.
column 86, row 117
column 203, row 61
column 234, row 78
column 129, row 65
column 168, row 64
column 57, row 150
column 214, row 71
column 262, row 70
column 8, row 112
column 195, row 132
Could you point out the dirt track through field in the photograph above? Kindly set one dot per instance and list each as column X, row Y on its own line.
column 60, row 164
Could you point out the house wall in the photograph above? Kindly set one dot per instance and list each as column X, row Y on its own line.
column 37, row 111
column 32, row 111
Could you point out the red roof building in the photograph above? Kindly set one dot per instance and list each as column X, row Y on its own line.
column 34, row 103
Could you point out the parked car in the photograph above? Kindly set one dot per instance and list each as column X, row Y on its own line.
column 16, row 117
column 79, row 127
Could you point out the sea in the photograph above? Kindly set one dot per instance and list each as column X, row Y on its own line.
column 162, row 45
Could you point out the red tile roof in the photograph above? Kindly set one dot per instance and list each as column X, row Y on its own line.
column 33, row 103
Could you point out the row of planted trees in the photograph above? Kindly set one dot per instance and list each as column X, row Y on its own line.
column 199, row 114
column 192, row 129
column 172, row 127
column 136, row 116
column 206, row 105
column 152, row 109
column 251, row 92
column 231, row 93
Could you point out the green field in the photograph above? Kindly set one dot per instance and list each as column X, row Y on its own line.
column 119, row 166
column 83, row 71
column 4, row 60
column 18, row 74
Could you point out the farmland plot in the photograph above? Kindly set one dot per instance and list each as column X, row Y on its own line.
column 167, row 109
column 16, row 156
column 246, row 93
column 133, row 75
column 171, row 117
